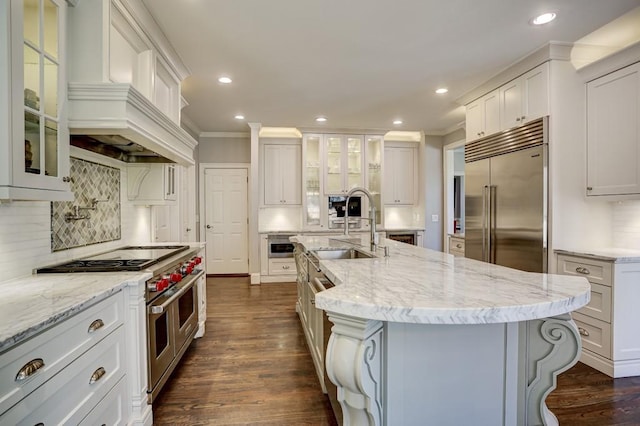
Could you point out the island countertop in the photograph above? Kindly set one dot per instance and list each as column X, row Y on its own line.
column 417, row 285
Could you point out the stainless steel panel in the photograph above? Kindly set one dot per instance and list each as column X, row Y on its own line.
column 518, row 210
column 476, row 178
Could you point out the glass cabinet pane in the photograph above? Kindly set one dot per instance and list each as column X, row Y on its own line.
column 334, row 165
column 312, row 180
column 374, row 172
column 354, row 166
column 50, row 95
column 31, row 143
column 51, row 148
column 31, row 10
column 51, row 28
column 31, row 78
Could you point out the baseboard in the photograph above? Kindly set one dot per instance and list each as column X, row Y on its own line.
column 617, row 369
column 278, row 279
column 255, row 278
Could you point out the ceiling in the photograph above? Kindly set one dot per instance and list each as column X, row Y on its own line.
column 360, row 63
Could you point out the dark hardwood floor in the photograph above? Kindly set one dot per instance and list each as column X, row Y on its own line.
column 253, row 367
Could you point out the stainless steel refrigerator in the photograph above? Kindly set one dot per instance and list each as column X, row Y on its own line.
column 506, row 199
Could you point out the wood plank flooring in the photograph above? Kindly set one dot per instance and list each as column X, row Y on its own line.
column 253, row 367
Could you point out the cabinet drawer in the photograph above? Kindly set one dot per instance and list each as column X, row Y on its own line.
column 456, row 246
column 111, row 410
column 71, row 394
column 56, row 348
column 595, row 334
column 282, row 266
column 599, row 306
column 595, row 271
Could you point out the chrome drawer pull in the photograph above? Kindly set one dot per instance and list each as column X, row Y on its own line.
column 285, row 267
column 97, row 375
column 583, row 332
column 458, row 245
column 97, row 324
column 29, row 369
column 582, row 270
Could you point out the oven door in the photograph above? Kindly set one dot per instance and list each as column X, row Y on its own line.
column 186, row 313
column 161, row 342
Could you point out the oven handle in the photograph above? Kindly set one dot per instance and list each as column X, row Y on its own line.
column 158, row 309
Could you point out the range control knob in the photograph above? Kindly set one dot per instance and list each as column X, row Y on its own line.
column 163, row 283
column 176, row 277
column 198, row 260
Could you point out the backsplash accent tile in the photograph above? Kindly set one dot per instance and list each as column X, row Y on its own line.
column 89, row 181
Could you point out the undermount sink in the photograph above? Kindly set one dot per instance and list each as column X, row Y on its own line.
column 347, row 253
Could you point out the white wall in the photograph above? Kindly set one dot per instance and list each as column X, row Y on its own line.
column 25, row 229
column 224, row 150
column 626, row 224
column 434, row 187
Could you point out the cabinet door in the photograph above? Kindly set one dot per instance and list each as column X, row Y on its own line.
column 613, row 133
column 474, row 120
column 39, row 136
column 389, row 190
column 354, row 150
column 405, row 175
column 511, row 104
column 312, row 179
column 272, row 175
column 334, row 183
column 535, row 93
column 291, row 174
column 491, row 106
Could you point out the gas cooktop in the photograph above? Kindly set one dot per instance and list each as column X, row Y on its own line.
column 130, row 258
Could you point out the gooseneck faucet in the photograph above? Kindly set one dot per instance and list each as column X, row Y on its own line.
column 372, row 214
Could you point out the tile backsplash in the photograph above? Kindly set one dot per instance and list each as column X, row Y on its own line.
column 90, row 181
column 626, row 224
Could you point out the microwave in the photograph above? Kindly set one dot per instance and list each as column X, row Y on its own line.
column 280, row 246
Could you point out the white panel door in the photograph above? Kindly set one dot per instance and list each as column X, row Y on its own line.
column 226, row 229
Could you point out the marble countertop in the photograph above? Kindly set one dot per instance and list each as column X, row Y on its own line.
column 31, row 304
column 417, row 285
column 609, row 254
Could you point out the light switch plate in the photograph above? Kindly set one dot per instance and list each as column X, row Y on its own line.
column 434, row 218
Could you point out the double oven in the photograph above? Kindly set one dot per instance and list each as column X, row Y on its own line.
column 171, row 299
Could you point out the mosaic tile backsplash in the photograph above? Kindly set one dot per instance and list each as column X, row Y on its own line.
column 90, row 181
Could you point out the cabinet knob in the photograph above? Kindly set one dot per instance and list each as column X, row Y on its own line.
column 188, row 229
column 523, row 117
column 589, row 188
column 583, row 332
column 208, row 226
column 582, row 270
column 517, row 118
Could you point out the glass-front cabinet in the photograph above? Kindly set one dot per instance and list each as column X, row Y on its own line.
column 37, row 144
column 344, row 163
column 312, row 179
column 374, row 153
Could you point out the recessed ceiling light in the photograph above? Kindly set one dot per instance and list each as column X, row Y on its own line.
column 239, row 117
column 321, row 119
column 442, row 90
column 397, row 121
column 545, row 18
column 224, row 80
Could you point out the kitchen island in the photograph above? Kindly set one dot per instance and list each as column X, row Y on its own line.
column 422, row 337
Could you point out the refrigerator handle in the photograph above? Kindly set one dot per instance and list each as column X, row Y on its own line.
column 485, row 217
column 491, row 223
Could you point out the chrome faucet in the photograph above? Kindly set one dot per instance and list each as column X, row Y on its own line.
column 372, row 214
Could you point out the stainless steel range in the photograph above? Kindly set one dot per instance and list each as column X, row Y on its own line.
column 171, row 297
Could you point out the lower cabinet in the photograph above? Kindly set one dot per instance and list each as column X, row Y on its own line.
column 456, row 246
column 608, row 323
column 65, row 374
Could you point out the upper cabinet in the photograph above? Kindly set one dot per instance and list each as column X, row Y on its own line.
column 34, row 146
column 375, row 155
column 344, row 156
column 282, row 170
column 517, row 102
column 152, row 184
column 613, row 133
column 400, row 170
column 525, row 98
column 311, row 148
column 483, row 116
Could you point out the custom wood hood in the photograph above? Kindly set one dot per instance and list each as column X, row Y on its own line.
column 120, row 122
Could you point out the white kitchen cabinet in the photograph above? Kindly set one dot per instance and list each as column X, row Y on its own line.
column 152, row 184
column 483, row 116
column 312, row 180
column 608, row 323
column 374, row 147
column 34, row 140
column 525, row 98
column 456, row 245
column 282, row 174
column 344, row 163
column 400, row 171
column 613, row 133
column 69, row 369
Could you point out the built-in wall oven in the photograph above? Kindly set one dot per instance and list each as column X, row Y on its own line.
column 408, row 237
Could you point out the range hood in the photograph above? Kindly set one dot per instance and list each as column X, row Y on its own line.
column 116, row 120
